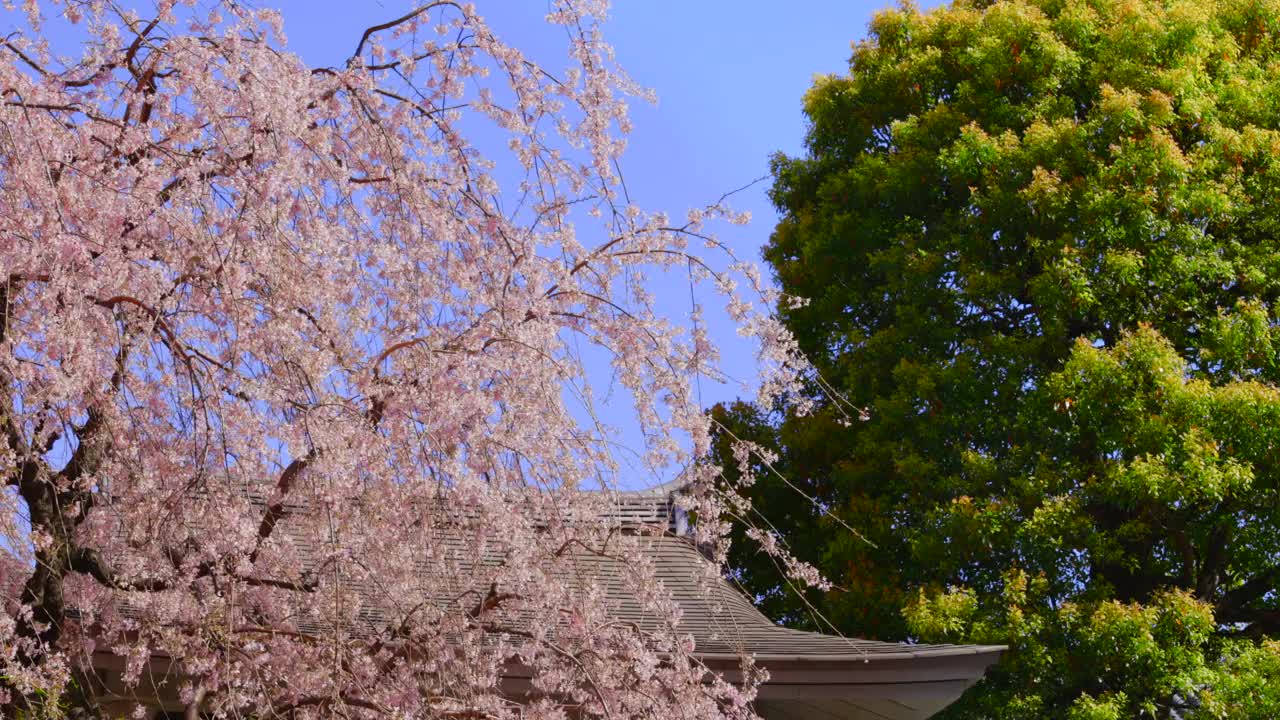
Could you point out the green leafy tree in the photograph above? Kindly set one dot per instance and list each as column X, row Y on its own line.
column 1041, row 244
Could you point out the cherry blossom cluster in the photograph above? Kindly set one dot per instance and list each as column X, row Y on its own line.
column 297, row 418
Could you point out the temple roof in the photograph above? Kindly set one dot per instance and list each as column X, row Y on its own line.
column 813, row 676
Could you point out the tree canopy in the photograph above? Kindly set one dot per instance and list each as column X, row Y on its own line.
column 294, row 416
column 1039, row 243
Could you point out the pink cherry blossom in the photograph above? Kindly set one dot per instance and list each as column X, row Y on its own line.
column 296, row 417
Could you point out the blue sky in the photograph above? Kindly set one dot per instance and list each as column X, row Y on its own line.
column 729, row 75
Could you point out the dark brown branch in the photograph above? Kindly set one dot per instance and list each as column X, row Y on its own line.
column 424, row 111
column 1262, row 621
column 308, row 584
column 4, row 310
column 275, row 510
column 326, row 701
column 23, row 56
column 49, row 107
column 1180, row 541
column 132, row 51
column 84, row 460
column 420, row 57
column 369, row 32
column 1215, row 557
column 90, row 562
column 177, row 183
column 491, row 601
column 1261, row 584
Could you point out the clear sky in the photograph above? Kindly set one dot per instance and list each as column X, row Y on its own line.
column 729, row 75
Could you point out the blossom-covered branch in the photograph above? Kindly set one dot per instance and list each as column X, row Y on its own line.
column 289, row 362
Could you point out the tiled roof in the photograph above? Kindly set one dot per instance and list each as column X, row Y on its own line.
column 722, row 620
column 811, row 674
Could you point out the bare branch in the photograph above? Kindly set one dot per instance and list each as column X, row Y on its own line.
column 369, row 32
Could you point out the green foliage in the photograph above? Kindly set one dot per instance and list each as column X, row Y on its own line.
column 1039, row 238
column 1249, row 687
column 43, row 704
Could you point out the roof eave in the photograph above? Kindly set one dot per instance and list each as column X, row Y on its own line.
column 947, row 672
